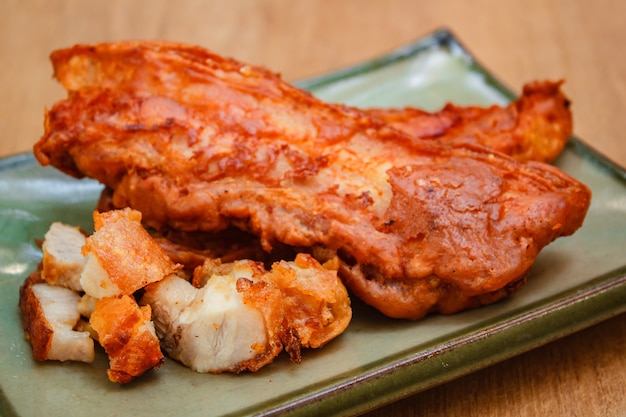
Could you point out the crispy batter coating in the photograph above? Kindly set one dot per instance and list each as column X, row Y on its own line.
column 238, row 316
column 121, row 256
column 313, row 307
column 535, row 127
column 198, row 142
column 315, row 303
column 126, row 333
column 231, row 323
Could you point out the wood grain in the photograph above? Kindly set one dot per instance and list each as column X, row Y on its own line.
column 580, row 41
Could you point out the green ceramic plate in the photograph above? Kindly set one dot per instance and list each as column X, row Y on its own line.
column 577, row 281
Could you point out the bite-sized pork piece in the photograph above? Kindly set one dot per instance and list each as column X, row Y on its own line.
column 315, row 303
column 535, row 127
column 49, row 315
column 127, row 334
column 198, row 142
column 121, row 256
column 231, row 324
column 63, row 261
column 238, row 316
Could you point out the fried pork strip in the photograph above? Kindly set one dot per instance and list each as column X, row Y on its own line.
column 198, row 142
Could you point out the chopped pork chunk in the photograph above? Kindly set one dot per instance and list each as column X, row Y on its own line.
column 231, row 324
column 121, row 256
column 63, row 261
column 49, row 315
column 127, row 334
column 239, row 316
column 316, row 304
column 225, row 317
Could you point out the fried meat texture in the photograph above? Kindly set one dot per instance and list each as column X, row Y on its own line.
column 121, row 256
column 49, row 316
column 231, row 324
column 198, row 142
column 127, row 334
column 315, row 303
column 63, row 261
column 116, row 260
column 535, row 127
column 237, row 316
column 223, row 317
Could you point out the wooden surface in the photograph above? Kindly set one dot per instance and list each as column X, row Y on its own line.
column 581, row 41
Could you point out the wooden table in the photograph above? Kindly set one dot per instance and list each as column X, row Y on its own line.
column 581, row 41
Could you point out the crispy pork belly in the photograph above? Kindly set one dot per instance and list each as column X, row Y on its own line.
column 63, row 261
column 121, row 256
column 237, row 316
column 49, row 316
column 315, row 303
column 230, row 324
column 197, row 142
column 127, row 334
column 535, row 127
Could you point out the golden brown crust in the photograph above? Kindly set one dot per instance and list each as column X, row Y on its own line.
column 50, row 316
column 37, row 330
column 535, row 127
column 122, row 331
column 413, row 299
column 315, row 303
column 200, row 143
column 126, row 252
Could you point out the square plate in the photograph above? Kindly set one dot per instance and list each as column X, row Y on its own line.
column 577, row 281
